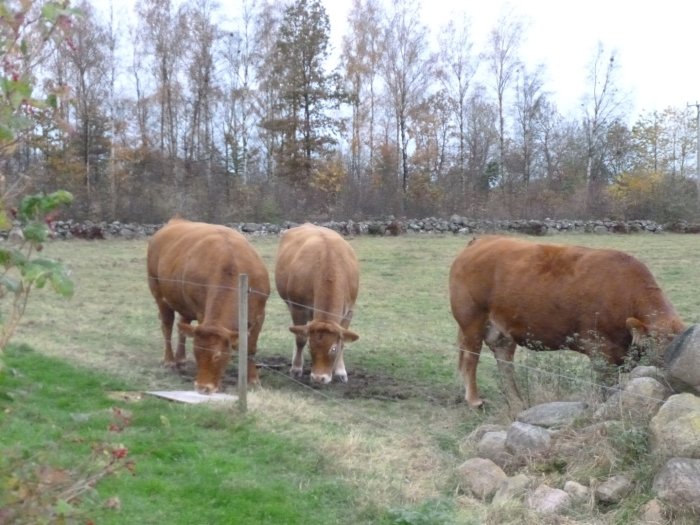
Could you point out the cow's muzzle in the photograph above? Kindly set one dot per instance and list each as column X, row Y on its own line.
column 205, row 389
column 323, row 379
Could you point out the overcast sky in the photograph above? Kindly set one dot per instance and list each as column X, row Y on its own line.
column 657, row 42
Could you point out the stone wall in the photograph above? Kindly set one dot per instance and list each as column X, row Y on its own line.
column 390, row 226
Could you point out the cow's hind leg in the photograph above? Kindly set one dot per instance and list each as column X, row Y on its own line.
column 503, row 348
column 167, row 319
column 300, row 316
column 255, row 328
column 470, row 339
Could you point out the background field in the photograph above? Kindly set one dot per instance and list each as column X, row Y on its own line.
column 386, row 443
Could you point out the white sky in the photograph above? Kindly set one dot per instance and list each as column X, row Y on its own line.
column 657, row 44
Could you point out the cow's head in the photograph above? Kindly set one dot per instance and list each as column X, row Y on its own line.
column 325, row 345
column 212, row 351
column 653, row 336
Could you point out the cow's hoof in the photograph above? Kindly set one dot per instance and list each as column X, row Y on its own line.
column 343, row 378
column 172, row 365
column 478, row 404
column 296, row 372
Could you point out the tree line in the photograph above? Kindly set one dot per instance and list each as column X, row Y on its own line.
column 251, row 114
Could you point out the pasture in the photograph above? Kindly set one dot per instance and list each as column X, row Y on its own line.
column 380, row 449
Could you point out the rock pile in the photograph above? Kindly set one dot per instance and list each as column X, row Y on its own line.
column 509, row 459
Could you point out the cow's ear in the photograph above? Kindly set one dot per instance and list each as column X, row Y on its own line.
column 349, row 336
column 300, row 329
column 637, row 329
column 186, row 328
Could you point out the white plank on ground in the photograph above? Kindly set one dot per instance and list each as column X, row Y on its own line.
column 192, row 397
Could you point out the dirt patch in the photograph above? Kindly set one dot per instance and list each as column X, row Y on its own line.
column 362, row 384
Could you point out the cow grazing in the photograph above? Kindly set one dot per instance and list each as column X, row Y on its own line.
column 317, row 275
column 506, row 291
column 193, row 269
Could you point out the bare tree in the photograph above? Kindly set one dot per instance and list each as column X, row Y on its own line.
column 482, row 145
column 530, row 98
column 268, row 92
column 84, row 66
column 456, row 72
column 162, row 35
column 239, row 59
column 111, row 35
column 203, row 92
column 362, row 57
column 555, row 135
column 407, row 69
column 502, row 57
column 602, row 107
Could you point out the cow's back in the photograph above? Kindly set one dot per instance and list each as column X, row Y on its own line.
column 188, row 262
column 548, row 294
column 311, row 260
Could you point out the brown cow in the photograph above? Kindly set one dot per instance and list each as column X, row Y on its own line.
column 193, row 270
column 317, row 275
column 506, row 291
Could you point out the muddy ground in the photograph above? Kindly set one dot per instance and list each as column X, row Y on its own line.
column 362, row 384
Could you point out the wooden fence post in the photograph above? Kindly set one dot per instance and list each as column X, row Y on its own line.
column 243, row 342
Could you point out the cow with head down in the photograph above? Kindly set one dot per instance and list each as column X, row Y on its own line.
column 193, row 269
column 317, row 275
column 507, row 291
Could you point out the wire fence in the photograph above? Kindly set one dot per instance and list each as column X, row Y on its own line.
column 520, row 367
column 250, row 290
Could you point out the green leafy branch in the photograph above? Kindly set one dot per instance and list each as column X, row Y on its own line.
column 21, row 269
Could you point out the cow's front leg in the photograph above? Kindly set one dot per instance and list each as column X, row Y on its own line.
column 180, row 356
column 339, row 369
column 300, row 316
column 297, row 368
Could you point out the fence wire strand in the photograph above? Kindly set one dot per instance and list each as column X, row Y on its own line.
column 452, row 349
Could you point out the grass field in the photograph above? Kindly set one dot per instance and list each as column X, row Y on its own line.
column 381, row 449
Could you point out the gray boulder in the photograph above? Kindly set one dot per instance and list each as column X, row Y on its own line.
column 577, row 491
column 556, row 414
column 678, row 484
column 648, row 371
column 643, row 396
column 682, row 360
column 675, row 429
column 652, row 513
column 639, row 400
column 481, row 477
column 548, row 500
column 512, row 489
column 523, row 439
column 493, row 446
column 613, row 490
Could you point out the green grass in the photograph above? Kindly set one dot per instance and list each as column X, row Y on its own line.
column 191, row 464
column 379, row 450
